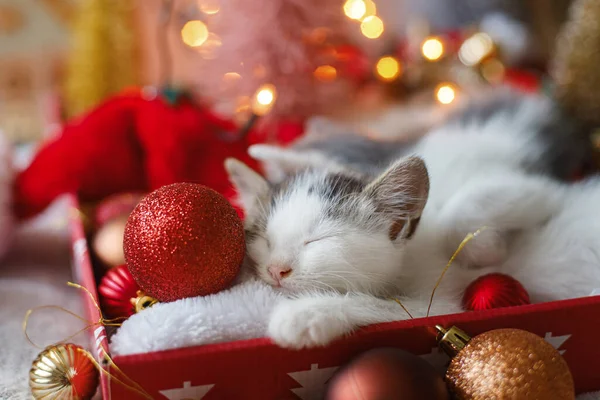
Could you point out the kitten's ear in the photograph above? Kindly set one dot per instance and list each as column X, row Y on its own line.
column 248, row 183
column 401, row 191
column 278, row 162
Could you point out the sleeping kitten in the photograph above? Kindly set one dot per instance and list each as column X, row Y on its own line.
column 504, row 134
column 343, row 237
column 334, row 241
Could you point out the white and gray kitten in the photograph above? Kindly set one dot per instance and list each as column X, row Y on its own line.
column 546, row 141
column 342, row 241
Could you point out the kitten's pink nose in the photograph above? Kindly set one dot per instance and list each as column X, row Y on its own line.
column 278, row 272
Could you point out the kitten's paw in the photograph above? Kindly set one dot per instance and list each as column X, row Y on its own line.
column 303, row 323
column 489, row 248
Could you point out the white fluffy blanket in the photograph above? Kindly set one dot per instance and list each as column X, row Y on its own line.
column 241, row 312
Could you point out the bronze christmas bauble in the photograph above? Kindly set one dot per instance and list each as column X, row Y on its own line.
column 509, row 364
column 63, row 372
column 387, row 374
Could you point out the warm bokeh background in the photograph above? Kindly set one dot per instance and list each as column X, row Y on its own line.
column 35, row 41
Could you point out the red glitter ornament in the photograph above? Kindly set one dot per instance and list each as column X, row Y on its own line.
column 494, row 291
column 184, row 240
column 116, row 290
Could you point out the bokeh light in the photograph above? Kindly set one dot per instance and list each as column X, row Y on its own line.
column 445, row 93
column 493, row 71
column 372, row 27
column 209, row 7
column 370, row 9
column 264, row 99
column 355, row 9
column 231, row 77
column 194, row 33
column 388, row 68
column 432, row 49
column 325, row 73
column 475, row 49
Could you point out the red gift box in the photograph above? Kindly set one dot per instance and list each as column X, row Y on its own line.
column 258, row 369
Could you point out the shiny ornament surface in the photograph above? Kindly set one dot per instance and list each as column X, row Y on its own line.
column 116, row 206
column 184, row 240
column 388, row 374
column 509, row 364
column 108, row 242
column 117, row 289
column 494, row 291
column 141, row 301
column 63, row 372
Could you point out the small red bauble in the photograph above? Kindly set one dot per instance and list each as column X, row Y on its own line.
column 116, row 290
column 494, row 291
column 387, row 374
column 184, row 240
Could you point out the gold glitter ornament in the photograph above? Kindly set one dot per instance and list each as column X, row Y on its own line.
column 63, row 372
column 504, row 364
column 577, row 60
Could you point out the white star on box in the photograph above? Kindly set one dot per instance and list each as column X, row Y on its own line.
column 188, row 392
column 556, row 341
column 313, row 382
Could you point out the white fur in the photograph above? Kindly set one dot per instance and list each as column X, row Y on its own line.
column 322, row 254
column 545, row 234
column 284, row 163
column 318, row 319
column 239, row 313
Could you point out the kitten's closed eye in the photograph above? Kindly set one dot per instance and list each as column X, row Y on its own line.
column 318, row 239
column 266, row 240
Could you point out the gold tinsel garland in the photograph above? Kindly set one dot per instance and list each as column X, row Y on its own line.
column 576, row 67
column 103, row 55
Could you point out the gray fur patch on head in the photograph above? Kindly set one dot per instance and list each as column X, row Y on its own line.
column 394, row 200
column 340, row 194
column 337, row 191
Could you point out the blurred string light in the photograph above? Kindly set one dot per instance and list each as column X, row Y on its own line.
column 370, row 9
column 231, row 77
column 388, row 68
column 209, row 7
column 365, row 11
column 372, row 27
column 194, row 33
column 325, row 73
column 264, row 99
column 262, row 102
column 355, row 9
column 475, row 49
column 432, row 48
column 445, row 93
